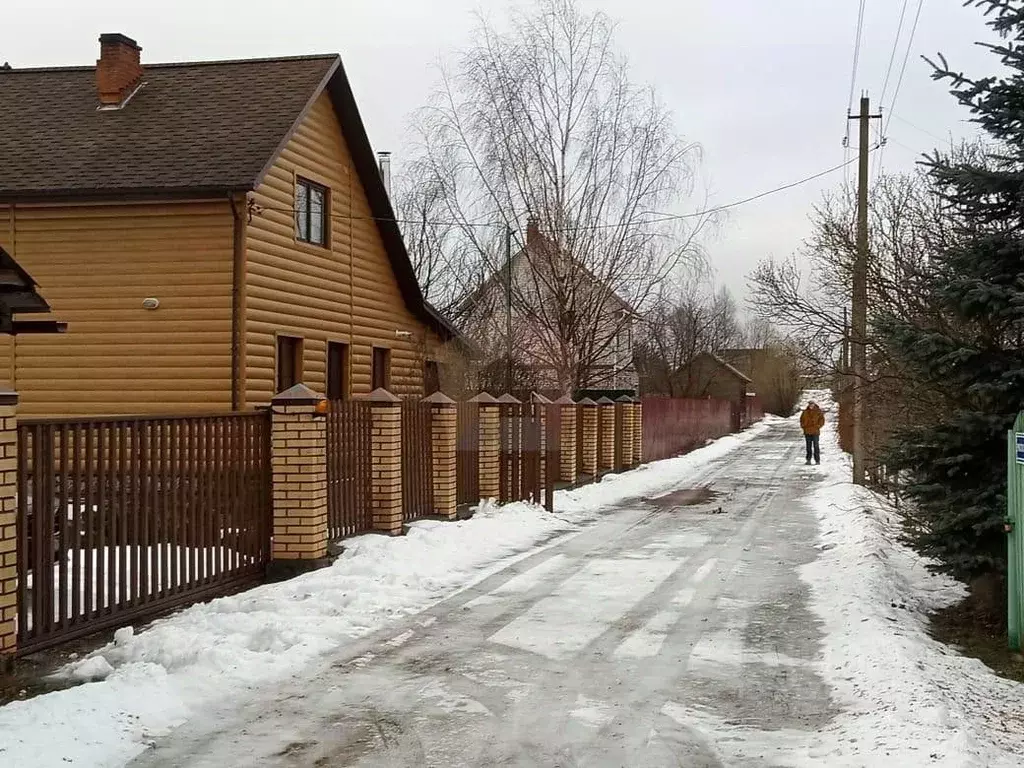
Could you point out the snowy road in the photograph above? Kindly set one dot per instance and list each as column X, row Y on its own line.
column 615, row 647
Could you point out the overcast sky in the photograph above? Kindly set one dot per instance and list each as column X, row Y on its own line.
column 763, row 85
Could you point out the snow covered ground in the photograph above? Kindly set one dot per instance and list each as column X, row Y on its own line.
column 905, row 698
column 746, row 690
column 148, row 682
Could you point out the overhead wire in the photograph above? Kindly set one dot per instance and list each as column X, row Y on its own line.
column 658, row 218
column 903, row 67
column 853, row 84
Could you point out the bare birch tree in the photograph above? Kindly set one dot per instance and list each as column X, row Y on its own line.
column 540, row 122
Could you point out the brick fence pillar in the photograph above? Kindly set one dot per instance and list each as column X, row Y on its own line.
column 638, row 431
column 386, row 462
column 299, row 468
column 8, row 528
column 489, row 448
column 588, row 413
column 626, row 403
column 567, row 441
column 606, row 450
column 443, row 436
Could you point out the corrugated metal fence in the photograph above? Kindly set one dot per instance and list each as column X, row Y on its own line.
column 675, row 426
column 349, row 428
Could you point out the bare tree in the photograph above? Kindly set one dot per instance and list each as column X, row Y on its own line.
column 682, row 326
column 540, row 123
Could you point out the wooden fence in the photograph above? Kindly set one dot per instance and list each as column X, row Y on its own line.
column 417, row 460
column 349, row 427
column 124, row 518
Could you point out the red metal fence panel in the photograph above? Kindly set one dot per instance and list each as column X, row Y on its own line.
column 417, row 460
column 349, row 428
column 122, row 519
column 673, row 426
column 467, row 454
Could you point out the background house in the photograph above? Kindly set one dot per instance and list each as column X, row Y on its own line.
column 569, row 331
column 212, row 232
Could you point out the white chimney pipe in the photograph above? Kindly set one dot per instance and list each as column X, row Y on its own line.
column 384, row 163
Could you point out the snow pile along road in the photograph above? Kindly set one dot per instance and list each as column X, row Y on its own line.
column 906, row 699
column 148, row 682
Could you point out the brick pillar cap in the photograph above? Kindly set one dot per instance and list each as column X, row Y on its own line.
column 586, row 401
column 605, row 401
column 381, row 395
column 625, row 399
column 438, row 398
column 483, row 399
column 565, row 400
column 300, row 394
column 509, row 400
column 537, row 397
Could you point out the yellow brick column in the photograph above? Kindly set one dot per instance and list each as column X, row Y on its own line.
column 588, row 413
column 386, row 462
column 298, row 460
column 488, row 451
column 567, row 440
column 443, row 436
column 606, row 450
column 638, row 431
column 8, row 528
column 626, row 403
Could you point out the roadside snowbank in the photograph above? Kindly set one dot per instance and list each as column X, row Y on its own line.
column 150, row 681
column 906, row 699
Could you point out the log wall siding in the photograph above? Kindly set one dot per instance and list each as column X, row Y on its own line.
column 95, row 264
column 345, row 292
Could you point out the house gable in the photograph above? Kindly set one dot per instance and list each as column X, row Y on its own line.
column 347, row 291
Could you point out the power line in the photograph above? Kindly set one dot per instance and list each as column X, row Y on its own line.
column 895, row 47
column 856, row 54
column 903, row 68
column 657, row 219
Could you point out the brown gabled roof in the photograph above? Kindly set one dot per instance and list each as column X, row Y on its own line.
column 192, row 129
column 205, row 127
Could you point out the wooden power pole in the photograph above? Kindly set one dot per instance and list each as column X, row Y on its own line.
column 859, row 303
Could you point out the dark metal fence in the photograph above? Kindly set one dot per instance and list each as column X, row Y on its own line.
column 349, row 428
column 673, row 426
column 417, row 460
column 467, row 454
column 122, row 519
column 553, row 451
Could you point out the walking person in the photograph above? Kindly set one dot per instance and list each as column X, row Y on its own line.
column 811, row 422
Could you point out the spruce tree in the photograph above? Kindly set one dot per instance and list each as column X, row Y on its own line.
column 965, row 348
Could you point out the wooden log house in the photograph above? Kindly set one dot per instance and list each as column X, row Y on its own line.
column 211, row 232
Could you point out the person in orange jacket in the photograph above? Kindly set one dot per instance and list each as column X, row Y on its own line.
column 811, row 422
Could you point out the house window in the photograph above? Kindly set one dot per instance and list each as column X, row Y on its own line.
column 289, row 362
column 431, row 377
column 310, row 212
column 381, row 374
column 337, row 371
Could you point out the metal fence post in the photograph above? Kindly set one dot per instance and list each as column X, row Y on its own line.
column 8, row 528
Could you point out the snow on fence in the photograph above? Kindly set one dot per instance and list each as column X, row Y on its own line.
column 672, row 426
column 123, row 518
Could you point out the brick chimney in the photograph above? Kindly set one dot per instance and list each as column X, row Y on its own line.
column 118, row 70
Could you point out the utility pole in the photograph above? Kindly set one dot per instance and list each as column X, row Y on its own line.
column 859, row 304
column 508, row 309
